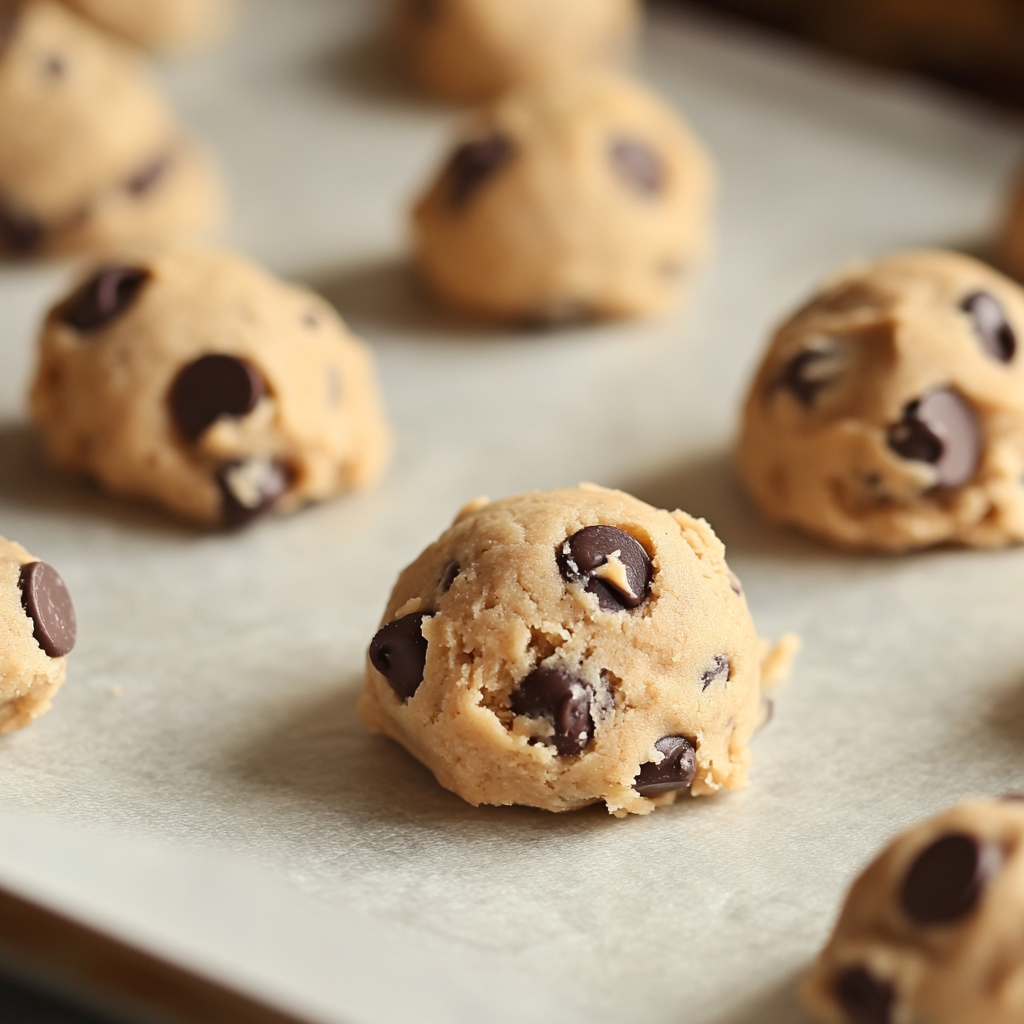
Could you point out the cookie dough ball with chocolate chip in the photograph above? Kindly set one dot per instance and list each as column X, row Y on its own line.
column 475, row 49
column 562, row 648
column 160, row 24
column 91, row 153
column 193, row 379
column 581, row 197
column 37, row 632
column 931, row 931
column 888, row 413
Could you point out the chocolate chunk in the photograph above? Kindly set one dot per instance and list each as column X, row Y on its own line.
column 473, row 163
column 584, row 555
column 940, row 428
column 864, row 998
column 718, row 669
column 147, row 177
column 994, row 332
column 639, row 165
column 948, row 878
column 20, row 232
column 211, row 387
column 803, row 375
column 564, row 700
column 448, row 578
column 47, row 603
column 675, row 771
column 251, row 487
column 108, row 294
column 399, row 652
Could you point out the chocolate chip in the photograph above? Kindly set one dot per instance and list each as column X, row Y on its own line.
column 211, row 387
column 473, row 162
column 675, row 770
column 584, row 556
column 864, row 998
column 804, row 375
column 948, row 878
column 718, row 669
column 448, row 578
column 940, row 428
column 20, row 232
column 399, row 652
column 47, row 603
column 147, row 177
column 251, row 487
column 564, row 700
column 639, row 165
column 108, row 294
column 990, row 324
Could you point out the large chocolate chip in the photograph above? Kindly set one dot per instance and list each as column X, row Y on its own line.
column 399, row 652
column 251, row 487
column 211, row 387
column 718, row 668
column 47, row 603
column 805, row 375
column 948, row 878
column 940, row 428
column 864, row 998
column 564, row 700
column 20, row 232
column 675, row 770
column 609, row 563
column 473, row 162
column 994, row 332
column 108, row 294
column 639, row 165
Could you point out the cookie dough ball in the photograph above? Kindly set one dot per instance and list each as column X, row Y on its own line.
column 582, row 197
column 193, row 379
column 560, row 648
column 932, row 930
column 888, row 413
column 475, row 49
column 160, row 24
column 37, row 632
column 91, row 154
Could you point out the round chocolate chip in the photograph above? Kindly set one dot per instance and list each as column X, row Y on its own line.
column 47, row 603
column 948, row 878
column 399, row 652
column 674, row 771
column 251, row 487
column 940, row 428
column 448, row 577
column 864, row 998
column 718, row 668
column 994, row 332
column 609, row 563
column 805, row 375
column 211, row 387
column 20, row 232
column 473, row 163
column 639, row 165
column 108, row 294
column 564, row 700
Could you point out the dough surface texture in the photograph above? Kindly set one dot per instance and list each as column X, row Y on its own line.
column 160, row 24
column 581, row 197
column 91, row 153
column 888, row 413
column 932, row 932
column 557, row 649
column 475, row 49
column 193, row 379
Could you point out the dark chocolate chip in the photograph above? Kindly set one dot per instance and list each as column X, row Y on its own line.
column 20, row 232
column 146, row 178
column 448, row 578
column 864, row 998
column 719, row 668
column 585, row 552
column 948, row 878
column 250, row 488
column 564, row 700
column 211, row 387
column 940, row 428
column 800, row 377
column 399, row 652
column 47, row 603
column 675, row 771
column 639, row 165
column 473, row 163
column 994, row 332
column 108, row 294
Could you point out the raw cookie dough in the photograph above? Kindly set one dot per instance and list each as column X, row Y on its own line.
column 581, row 197
column 160, row 24
column 931, row 932
column 91, row 154
column 560, row 648
column 37, row 632
column 888, row 413
column 193, row 379
column 475, row 49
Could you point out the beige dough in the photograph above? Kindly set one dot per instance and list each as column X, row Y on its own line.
column 475, row 49
column 107, row 396
column 933, row 931
column 498, row 608
column 160, row 24
column 91, row 153
column 888, row 413
column 580, row 197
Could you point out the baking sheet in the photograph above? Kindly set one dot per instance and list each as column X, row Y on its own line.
column 203, row 786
